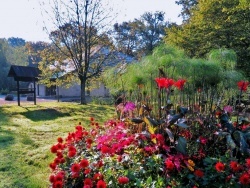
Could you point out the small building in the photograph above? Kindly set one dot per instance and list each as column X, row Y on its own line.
column 25, row 74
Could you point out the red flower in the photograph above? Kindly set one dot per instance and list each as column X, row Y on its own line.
column 123, row 180
column 248, row 162
column 59, row 177
column 91, row 119
column 219, row 166
column 160, row 82
column 84, row 163
column 169, row 82
column 169, row 164
column 234, row 166
column 242, row 85
column 203, row 140
column 180, row 84
column 87, row 171
column 89, row 141
column 75, row 168
column 57, row 160
column 245, row 179
column 101, row 184
column 60, row 140
column 199, row 173
column 119, row 158
column 164, row 82
column 72, row 151
column 52, row 166
column 52, row 178
column 105, row 149
column 54, row 149
column 58, row 184
column 98, row 176
column 88, row 182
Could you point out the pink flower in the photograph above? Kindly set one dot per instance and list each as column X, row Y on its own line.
column 129, row 106
column 228, row 109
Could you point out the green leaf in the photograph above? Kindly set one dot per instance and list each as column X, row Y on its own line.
column 230, row 142
column 181, row 145
column 170, row 135
column 183, row 125
column 241, row 142
column 149, row 180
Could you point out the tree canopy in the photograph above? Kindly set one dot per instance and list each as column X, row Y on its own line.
column 139, row 37
column 80, row 31
column 215, row 24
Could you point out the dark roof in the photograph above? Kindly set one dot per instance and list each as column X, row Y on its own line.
column 22, row 73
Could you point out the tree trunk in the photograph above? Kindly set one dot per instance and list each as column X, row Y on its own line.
column 57, row 91
column 83, row 96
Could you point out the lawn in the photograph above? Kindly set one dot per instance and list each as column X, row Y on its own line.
column 27, row 132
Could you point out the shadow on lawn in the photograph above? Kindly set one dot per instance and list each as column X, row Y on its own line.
column 44, row 114
column 6, row 138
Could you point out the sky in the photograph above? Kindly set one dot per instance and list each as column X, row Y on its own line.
column 23, row 18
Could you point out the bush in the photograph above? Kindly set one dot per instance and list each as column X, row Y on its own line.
column 4, row 91
column 9, row 97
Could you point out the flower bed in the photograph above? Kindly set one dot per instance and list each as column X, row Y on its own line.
column 185, row 149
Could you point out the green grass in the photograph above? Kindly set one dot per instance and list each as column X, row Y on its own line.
column 27, row 132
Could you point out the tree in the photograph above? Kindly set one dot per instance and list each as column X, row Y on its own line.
column 54, row 70
column 187, row 6
column 4, row 65
column 10, row 55
column 80, row 31
column 216, row 24
column 139, row 37
column 34, row 50
column 16, row 42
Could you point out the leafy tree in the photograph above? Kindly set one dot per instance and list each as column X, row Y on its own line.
column 34, row 50
column 16, row 42
column 139, row 37
column 216, row 24
column 53, row 67
column 10, row 55
column 80, row 31
column 4, row 65
column 187, row 6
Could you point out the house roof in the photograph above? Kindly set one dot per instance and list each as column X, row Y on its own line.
column 22, row 73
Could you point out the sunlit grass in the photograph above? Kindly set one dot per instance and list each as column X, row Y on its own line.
column 27, row 132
